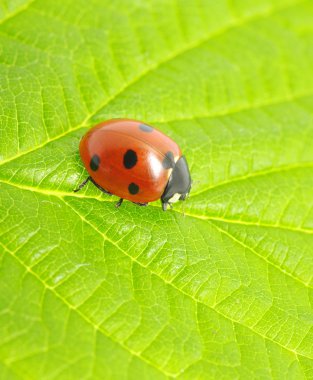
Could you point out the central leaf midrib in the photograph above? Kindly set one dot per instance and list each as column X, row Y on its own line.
column 100, row 198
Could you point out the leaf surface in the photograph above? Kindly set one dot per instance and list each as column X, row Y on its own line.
column 89, row 291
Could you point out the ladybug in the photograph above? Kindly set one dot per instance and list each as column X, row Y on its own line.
column 136, row 162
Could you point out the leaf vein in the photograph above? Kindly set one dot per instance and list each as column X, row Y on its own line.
column 82, row 315
column 179, row 290
column 19, row 10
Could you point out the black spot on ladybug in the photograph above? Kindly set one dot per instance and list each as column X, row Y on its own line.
column 145, row 128
column 133, row 188
column 94, row 162
column 168, row 161
column 130, row 159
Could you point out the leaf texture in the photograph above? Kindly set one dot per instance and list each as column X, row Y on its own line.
column 222, row 289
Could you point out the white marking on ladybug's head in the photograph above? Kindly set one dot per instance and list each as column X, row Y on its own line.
column 175, row 198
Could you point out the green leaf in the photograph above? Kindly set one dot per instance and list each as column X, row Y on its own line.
column 88, row 291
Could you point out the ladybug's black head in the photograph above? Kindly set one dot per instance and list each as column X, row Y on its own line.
column 179, row 184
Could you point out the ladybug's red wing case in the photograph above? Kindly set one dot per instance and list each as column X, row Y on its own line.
column 129, row 159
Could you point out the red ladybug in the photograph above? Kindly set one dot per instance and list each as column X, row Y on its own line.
column 134, row 161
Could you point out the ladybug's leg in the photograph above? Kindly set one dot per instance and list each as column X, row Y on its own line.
column 99, row 187
column 140, row 204
column 164, row 206
column 117, row 204
column 82, row 184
